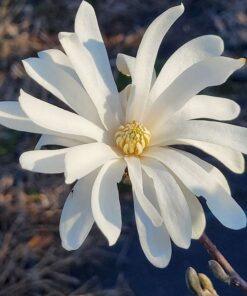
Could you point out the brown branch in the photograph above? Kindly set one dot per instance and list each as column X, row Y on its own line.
column 235, row 280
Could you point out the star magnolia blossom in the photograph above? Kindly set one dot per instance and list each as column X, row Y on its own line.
column 109, row 130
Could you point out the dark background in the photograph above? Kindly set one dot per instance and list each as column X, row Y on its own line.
column 32, row 262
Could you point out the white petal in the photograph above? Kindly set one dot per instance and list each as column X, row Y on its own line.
column 83, row 159
column 216, row 108
column 232, row 136
column 232, row 159
column 201, row 183
column 135, row 174
column 124, row 96
column 198, row 219
column 55, row 140
column 44, row 161
column 12, row 116
column 87, row 30
column 59, row 120
column 93, row 76
column 146, row 57
column 62, row 85
column 59, row 58
column 190, row 53
column 172, row 203
column 210, row 72
column 77, row 218
column 155, row 241
column 105, row 200
column 126, row 65
column 215, row 173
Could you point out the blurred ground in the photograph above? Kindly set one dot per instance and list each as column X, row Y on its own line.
column 32, row 262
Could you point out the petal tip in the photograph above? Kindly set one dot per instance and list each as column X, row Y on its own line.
column 112, row 241
column 243, row 61
column 68, row 179
column 243, row 223
column 66, row 246
column 25, row 164
column 181, row 6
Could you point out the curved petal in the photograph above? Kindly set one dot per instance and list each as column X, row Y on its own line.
column 146, row 57
column 219, row 133
column 46, row 140
column 215, row 173
column 216, row 108
column 126, row 65
column 59, row 58
column 12, row 116
column 187, row 55
column 198, row 218
column 62, row 85
column 59, row 120
column 201, row 183
column 77, row 219
column 87, row 30
column 124, row 96
column 83, row 159
column 232, row 159
column 209, row 72
column 135, row 174
column 44, row 161
column 93, row 77
column 105, row 199
column 155, row 241
column 173, row 206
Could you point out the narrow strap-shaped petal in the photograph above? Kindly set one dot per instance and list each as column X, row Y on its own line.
column 105, row 199
column 172, row 203
column 201, row 183
column 59, row 58
column 209, row 168
column 44, row 161
column 93, row 78
column 135, row 174
column 59, row 120
column 232, row 159
column 146, row 57
column 155, row 241
column 87, row 30
column 77, row 219
column 190, row 53
column 46, row 140
column 12, row 116
column 198, row 219
column 62, row 85
column 209, row 72
column 124, row 96
column 202, row 106
column 232, row 136
column 83, row 159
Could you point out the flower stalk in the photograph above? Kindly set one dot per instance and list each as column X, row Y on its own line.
column 235, row 280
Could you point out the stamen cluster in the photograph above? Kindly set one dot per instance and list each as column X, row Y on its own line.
column 132, row 138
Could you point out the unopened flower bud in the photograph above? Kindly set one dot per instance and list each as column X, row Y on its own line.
column 192, row 281
column 207, row 284
column 218, row 271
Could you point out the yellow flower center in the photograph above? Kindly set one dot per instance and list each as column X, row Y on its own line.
column 132, row 138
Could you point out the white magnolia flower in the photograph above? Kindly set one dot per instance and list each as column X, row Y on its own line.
column 108, row 131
